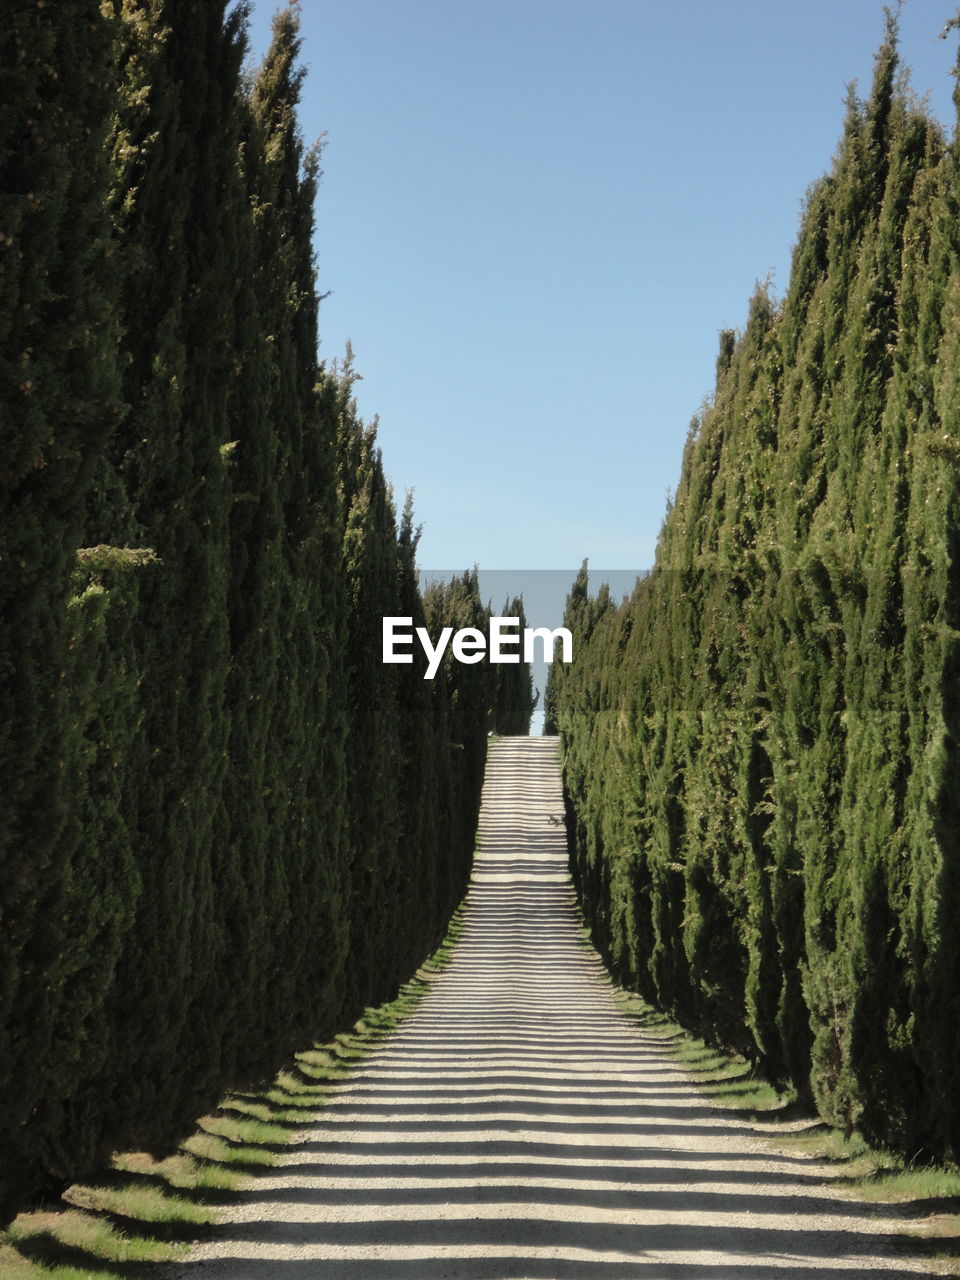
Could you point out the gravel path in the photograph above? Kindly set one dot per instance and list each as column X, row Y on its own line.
column 518, row 1126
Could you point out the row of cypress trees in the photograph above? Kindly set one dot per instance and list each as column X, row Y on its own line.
column 226, row 826
column 761, row 744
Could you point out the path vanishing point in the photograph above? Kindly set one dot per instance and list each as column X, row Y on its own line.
column 519, row 1126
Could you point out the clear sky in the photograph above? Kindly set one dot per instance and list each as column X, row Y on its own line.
column 535, row 217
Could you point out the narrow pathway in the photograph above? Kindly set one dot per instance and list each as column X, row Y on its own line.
column 520, row 1127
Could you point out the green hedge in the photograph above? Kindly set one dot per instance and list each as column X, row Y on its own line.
column 226, row 825
column 761, row 744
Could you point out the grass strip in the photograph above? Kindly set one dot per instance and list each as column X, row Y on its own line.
column 930, row 1192
column 144, row 1211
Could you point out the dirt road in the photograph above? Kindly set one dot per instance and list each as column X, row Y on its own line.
column 520, row 1126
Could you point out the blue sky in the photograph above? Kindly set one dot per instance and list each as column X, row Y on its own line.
column 534, row 219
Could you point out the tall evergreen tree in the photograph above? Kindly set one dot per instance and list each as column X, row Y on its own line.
column 763, row 800
column 61, row 401
column 513, row 692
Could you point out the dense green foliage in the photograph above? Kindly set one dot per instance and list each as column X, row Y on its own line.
column 761, row 743
column 227, row 826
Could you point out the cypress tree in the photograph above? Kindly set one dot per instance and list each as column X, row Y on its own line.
column 370, row 570
column 931, row 653
column 513, row 693
column 61, row 402
column 177, row 208
column 761, row 776
column 228, row 825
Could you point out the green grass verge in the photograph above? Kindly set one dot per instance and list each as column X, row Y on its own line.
column 930, row 1191
column 145, row 1211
